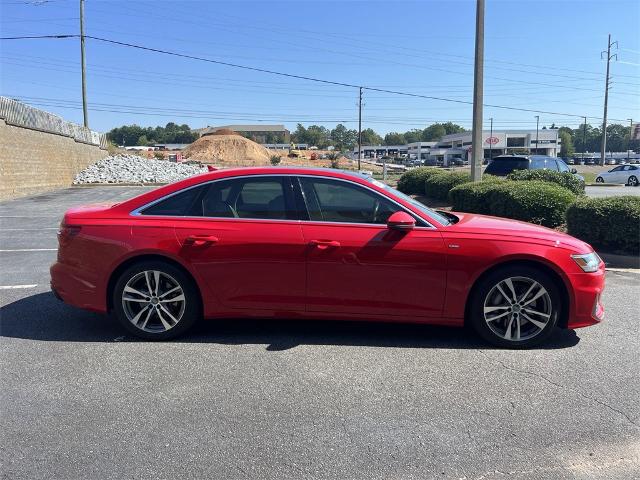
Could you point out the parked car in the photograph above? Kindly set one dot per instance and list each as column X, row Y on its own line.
column 627, row 174
column 503, row 165
column 319, row 244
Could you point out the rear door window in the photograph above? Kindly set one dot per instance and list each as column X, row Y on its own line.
column 504, row 166
column 181, row 204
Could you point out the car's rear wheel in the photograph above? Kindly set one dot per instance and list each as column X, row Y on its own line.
column 632, row 181
column 599, row 180
column 515, row 307
column 155, row 300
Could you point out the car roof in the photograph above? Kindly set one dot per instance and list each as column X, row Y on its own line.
column 525, row 157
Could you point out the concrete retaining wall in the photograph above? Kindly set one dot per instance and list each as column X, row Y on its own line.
column 32, row 161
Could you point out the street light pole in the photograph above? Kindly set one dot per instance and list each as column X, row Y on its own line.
column 476, row 132
column 359, row 128
column 537, row 130
column 84, row 67
column 584, row 138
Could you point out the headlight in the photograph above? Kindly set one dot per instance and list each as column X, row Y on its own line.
column 588, row 262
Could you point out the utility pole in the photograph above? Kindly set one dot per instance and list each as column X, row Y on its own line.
column 359, row 128
column 537, row 130
column 629, row 143
column 476, row 130
column 84, row 67
column 491, row 141
column 584, row 138
column 603, row 148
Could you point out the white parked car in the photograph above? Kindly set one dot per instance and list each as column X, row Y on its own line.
column 627, row 174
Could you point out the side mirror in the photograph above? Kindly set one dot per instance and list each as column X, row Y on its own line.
column 573, row 170
column 401, row 221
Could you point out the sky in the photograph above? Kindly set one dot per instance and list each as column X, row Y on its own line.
column 539, row 55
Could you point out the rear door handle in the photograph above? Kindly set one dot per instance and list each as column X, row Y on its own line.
column 197, row 240
column 324, row 244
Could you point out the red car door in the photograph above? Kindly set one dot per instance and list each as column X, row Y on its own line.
column 356, row 265
column 247, row 245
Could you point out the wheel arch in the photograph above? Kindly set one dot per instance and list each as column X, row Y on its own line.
column 542, row 266
column 115, row 274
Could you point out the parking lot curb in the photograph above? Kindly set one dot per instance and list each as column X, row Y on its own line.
column 605, row 185
column 612, row 260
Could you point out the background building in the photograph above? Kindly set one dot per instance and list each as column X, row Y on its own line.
column 506, row 141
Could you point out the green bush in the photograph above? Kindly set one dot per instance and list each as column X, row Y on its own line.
column 565, row 179
column 537, row 202
column 275, row 159
column 611, row 224
column 472, row 197
column 412, row 181
column 438, row 186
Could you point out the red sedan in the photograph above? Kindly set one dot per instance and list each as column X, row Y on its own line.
column 321, row 244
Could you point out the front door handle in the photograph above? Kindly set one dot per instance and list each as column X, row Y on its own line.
column 197, row 240
column 324, row 244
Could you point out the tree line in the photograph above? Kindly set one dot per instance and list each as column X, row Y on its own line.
column 573, row 140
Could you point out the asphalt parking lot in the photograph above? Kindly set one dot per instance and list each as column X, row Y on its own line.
column 611, row 191
column 291, row 399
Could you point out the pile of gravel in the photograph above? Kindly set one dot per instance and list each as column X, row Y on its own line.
column 124, row 168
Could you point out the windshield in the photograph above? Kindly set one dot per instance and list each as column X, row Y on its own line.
column 504, row 166
column 420, row 206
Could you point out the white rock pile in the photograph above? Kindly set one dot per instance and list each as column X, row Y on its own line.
column 124, row 168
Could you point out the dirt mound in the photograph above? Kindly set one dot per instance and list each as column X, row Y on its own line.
column 227, row 149
column 223, row 131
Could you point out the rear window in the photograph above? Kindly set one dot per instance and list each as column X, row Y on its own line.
column 504, row 166
column 179, row 204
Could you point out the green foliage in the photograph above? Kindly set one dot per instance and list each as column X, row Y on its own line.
column 438, row 186
column 315, row 135
column 565, row 179
column 130, row 135
column 611, row 224
column 158, row 156
column 413, row 181
column 534, row 201
column 275, row 159
column 566, row 146
column 369, row 137
column 394, row 138
column 343, row 138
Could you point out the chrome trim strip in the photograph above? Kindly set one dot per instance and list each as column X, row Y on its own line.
column 138, row 211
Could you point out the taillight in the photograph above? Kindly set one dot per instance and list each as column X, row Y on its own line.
column 67, row 232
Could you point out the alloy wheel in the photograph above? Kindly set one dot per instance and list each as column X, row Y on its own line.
column 517, row 309
column 633, row 181
column 153, row 301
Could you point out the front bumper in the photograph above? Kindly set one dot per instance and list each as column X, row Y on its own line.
column 587, row 308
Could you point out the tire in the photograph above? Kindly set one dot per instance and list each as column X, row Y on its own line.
column 156, row 311
column 632, row 181
column 599, row 180
column 513, row 324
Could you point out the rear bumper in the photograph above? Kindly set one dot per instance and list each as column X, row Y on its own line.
column 587, row 292
column 72, row 286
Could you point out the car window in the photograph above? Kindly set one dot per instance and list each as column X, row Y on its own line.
column 504, row 165
column 538, row 164
column 338, row 201
column 633, row 168
column 562, row 166
column 617, row 169
column 179, row 204
column 260, row 197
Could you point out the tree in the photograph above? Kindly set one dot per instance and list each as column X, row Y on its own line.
column 343, row 138
column 142, row 140
column 369, row 137
column 171, row 133
column 450, row 128
column 414, row 135
column 433, row 133
column 394, row 138
column 566, row 148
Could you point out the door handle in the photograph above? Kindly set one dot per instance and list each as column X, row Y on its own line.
column 324, row 244
column 197, row 240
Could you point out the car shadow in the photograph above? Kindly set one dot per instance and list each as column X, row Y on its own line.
column 42, row 317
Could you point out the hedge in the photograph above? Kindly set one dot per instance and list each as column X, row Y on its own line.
column 611, row 224
column 537, row 202
column 412, row 181
column 438, row 186
column 564, row 179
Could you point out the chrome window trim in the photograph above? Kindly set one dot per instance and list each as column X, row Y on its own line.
column 138, row 211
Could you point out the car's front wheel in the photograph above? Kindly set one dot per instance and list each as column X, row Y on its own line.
column 155, row 300
column 632, row 181
column 515, row 307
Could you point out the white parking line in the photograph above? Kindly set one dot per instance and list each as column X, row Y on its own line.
column 15, row 287
column 27, row 229
column 30, row 250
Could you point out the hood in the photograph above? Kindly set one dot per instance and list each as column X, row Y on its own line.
column 506, row 227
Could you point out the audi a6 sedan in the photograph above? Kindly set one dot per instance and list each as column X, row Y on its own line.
column 319, row 244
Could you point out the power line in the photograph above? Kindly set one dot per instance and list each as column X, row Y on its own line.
column 289, row 75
